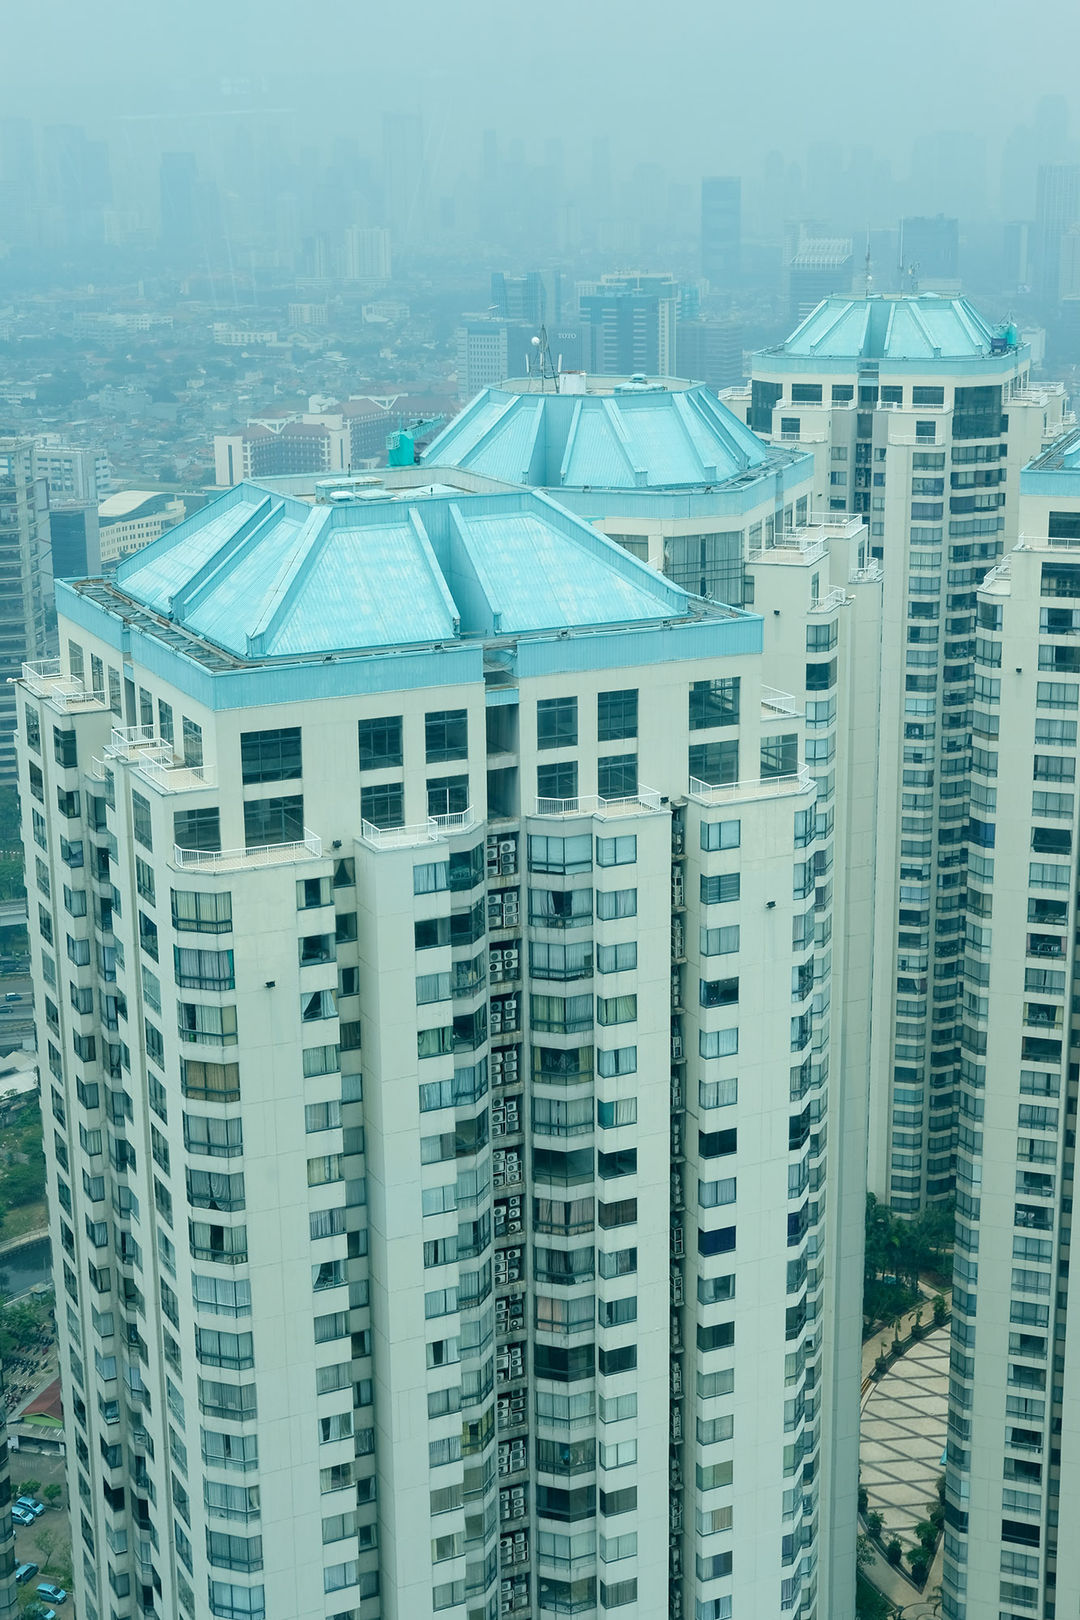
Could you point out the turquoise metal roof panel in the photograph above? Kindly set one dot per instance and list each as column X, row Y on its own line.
column 655, row 438
column 923, row 326
column 267, row 576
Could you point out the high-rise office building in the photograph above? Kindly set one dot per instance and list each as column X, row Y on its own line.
column 721, row 230
column 1014, row 1462
column 545, row 1312
column 74, row 480
column 1057, row 207
column 930, row 254
column 920, row 417
column 711, row 349
column 817, row 267
column 178, row 184
column 25, row 581
column 367, row 254
column 630, row 320
column 521, row 298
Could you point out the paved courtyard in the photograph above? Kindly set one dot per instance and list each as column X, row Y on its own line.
column 903, row 1436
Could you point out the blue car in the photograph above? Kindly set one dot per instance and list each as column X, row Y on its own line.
column 22, row 1515
column 46, row 1589
column 31, row 1504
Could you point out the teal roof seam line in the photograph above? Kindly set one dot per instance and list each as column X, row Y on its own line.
column 247, row 534
column 289, row 582
column 435, row 574
column 239, row 495
column 571, row 440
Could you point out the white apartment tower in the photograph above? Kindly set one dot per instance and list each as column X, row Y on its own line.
column 919, row 417
column 1014, row 1466
column 433, row 948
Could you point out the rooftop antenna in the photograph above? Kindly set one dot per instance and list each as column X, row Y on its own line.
column 541, row 362
column 868, row 276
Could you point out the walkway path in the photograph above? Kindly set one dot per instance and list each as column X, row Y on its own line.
column 903, row 1437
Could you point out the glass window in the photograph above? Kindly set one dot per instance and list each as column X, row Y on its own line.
column 716, row 890
column 447, row 795
column 140, row 821
column 721, row 834
column 719, row 941
column 616, row 851
column 557, row 781
column 714, row 703
column 616, row 958
column 193, row 742
column 557, row 722
column 165, row 721
column 194, row 912
column 384, row 805
column 562, row 855
column 270, row 756
column 380, row 743
column 446, row 735
column 616, row 715
column 616, row 1009
column 273, row 821
column 614, row 903
column 197, row 829
column 617, row 776
column 780, row 756
column 714, row 764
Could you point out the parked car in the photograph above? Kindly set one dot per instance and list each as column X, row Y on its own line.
column 25, row 1572
column 22, row 1515
column 46, row 1589
column 31, row 1504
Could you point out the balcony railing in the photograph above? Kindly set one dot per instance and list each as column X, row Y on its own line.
column 644, row 801
column 216, row 860
column 171, row 775
column 769, row 787
column 826, row 604
column 431, row 831
column 43, row 677
column 774, row 702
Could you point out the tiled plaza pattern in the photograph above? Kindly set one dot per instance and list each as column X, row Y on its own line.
column 903, row 1437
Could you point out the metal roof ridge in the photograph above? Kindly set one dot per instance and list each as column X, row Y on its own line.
column 928, row 337
column 714, row 414
column 581, row 533
column 622, row 434
column 165, row 542
column 290, row 576
column 683, row 409
column 427, row 552
column 196, row 586
column 571, row 436
column 841, row 314
column 483, row 575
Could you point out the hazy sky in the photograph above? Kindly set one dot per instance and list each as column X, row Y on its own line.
column 718, row 81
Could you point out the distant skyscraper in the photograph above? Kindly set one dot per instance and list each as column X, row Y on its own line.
column 520, row 298
column 179, row 176
column 929, row 253
column 26, row 573
column 367, row 254
column 405, row 188
column 1057, row 206
column 721, row 229
column 630, row 321
column 72, row 483
column 818, row 267
column 711, row 350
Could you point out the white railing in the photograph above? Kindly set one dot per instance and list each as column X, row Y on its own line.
column 778, row 702
column 791, row 546
column 760, row 788
column 171, row 775
column 430, row 831
column 216, row 860
column 833, row 599
column 871, row 573
column 591, row 804
column 43, row 677
column 1048, row 542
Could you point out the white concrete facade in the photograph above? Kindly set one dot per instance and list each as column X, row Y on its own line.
column 555, row 1309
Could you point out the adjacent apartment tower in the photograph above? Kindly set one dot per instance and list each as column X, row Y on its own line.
column 1014, row 1465
column 919, row 417
column 432, row 919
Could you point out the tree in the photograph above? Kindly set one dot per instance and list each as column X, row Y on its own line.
column 29, row 1487
column 927, row 1534
column 920, row 1565
column 893, row 1551
column 52, row 1494
column 874, row 1524
column 864, row 1553
column 47, row 1542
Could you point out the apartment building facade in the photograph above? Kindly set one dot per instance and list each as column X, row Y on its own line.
column 919, row 417
column 388, row 852
column 25, row 581
column 1013, row 1463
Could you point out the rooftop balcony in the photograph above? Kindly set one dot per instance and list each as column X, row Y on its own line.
column 239, row 860
column 154, row 760
column 436, row 829
column 646, row 801
column 769, row 787
column 67, row 691
column 775, row 703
